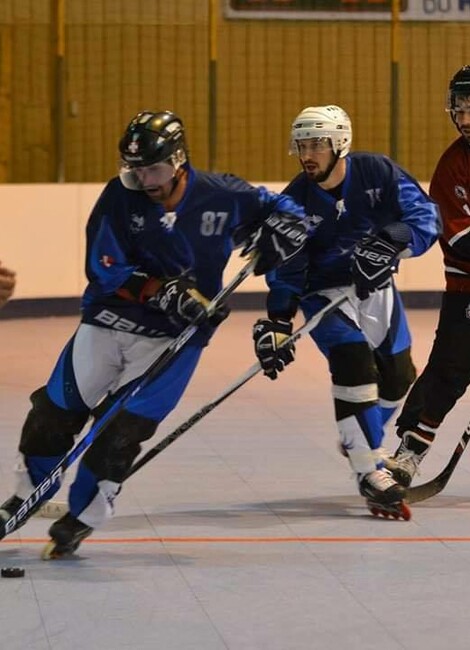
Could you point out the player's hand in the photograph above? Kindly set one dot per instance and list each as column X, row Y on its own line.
column 183, row 304
column 277, row 240
column 374, row 260
column 7, row 284
column 268, row 336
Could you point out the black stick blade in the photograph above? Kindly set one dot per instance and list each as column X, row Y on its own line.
column 437, row 484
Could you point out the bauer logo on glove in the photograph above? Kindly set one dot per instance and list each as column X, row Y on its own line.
column 179, row 299
column 374, row 261
column 279, row 238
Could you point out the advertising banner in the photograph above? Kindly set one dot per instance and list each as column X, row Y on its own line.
column 419, row 10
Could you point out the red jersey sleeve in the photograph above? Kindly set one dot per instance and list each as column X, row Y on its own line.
column 450, row 188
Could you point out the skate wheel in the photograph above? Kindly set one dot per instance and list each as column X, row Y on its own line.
column 396, row 511
column 405, row 511
column 49, row 551
column 379, row 512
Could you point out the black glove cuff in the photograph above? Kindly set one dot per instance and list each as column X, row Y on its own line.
column 398, row 234
column 264, row 325
column 282, row 304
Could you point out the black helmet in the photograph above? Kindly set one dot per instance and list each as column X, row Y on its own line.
column 459, row 86
column 154, row 137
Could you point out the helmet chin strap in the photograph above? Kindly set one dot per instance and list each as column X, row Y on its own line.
column 174, row 184
column 175, row 180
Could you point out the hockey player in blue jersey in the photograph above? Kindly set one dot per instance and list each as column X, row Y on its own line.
column 368, row 213
column 158, row 240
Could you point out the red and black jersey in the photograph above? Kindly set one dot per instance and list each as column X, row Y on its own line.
column 450, row 188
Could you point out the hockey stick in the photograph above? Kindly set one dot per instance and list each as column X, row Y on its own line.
column 437, row 484
column 31, row 503
column 241, row 381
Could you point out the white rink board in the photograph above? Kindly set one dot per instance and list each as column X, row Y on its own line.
column 43, row 239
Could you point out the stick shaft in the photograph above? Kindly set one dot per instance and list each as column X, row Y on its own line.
column 30, row 504
column 238, row 383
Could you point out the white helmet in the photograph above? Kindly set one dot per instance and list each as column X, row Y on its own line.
column 323, row 122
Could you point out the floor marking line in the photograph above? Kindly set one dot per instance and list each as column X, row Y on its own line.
column 248, row 540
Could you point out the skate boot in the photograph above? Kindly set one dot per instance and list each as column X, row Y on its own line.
column 400, row 469
column 413, row 448
column 384, row 496
column 66, row 535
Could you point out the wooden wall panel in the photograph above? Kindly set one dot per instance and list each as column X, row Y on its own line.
column 347, row 63
column 6, row 79
column 26, row 153
column 123, row 56
column 294, row 65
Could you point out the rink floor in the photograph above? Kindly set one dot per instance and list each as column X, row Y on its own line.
column 248, row 532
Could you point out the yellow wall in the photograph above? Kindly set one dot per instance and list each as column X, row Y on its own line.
column 122, row 56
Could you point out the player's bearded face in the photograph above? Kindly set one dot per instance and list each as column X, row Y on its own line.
column 156, row 180
column 316, row 157
column 462, row 116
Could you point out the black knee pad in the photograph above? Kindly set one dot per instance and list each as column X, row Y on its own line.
column 113, row 452
column 352, row 364
column 49, row 430
column 396, row 374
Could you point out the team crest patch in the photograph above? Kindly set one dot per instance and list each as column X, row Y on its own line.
column 460, row 192
column 137, row 223
column 168, row 220
column 133, row 147
column 340, row 208
column 107, row 261
column 314, row 219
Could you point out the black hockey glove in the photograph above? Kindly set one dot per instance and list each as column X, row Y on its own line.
column 268, row 336
column 374, row 261
column 182, row 303
column 219, row 315
column 279, row 238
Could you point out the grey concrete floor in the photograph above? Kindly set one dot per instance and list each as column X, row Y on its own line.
column 248, row 532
